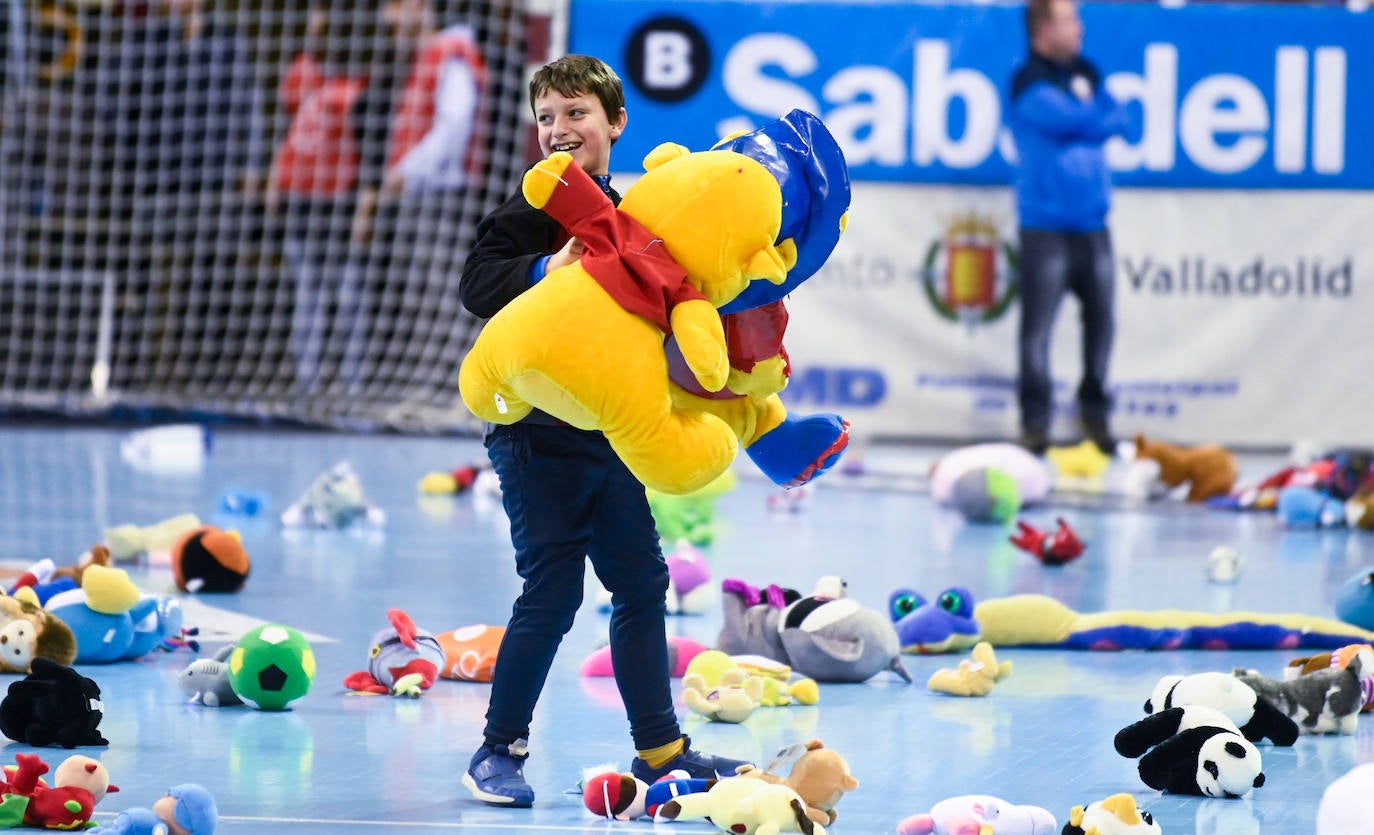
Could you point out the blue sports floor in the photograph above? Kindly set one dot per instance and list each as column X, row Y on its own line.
column 342, row 763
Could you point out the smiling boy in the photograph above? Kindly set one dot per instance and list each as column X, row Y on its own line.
column 568, row 496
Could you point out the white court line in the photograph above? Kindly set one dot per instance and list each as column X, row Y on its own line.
column 216, row 624
column 620, row 826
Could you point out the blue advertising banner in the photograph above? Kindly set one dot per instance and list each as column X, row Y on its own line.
column 1221, row 96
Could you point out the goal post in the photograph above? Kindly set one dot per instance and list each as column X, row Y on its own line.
column 253, row 209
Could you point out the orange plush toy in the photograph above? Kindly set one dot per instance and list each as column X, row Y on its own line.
column 1208, row 469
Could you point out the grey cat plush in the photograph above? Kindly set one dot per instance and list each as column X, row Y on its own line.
column 335, row 501
column 1323, row 702
column 826, row 636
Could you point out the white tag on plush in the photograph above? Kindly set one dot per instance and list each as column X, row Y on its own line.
column 785, row 757
column 501, row 404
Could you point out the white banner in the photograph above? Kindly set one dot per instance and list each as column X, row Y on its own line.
column 1243, row 318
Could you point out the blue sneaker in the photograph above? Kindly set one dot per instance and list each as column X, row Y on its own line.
column 494, row 777
column 697, row 765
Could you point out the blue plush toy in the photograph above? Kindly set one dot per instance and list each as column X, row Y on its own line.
column 945, row 624
column 1307, row 507
column 1355, row 603
column 120, row 636
column 189, row 806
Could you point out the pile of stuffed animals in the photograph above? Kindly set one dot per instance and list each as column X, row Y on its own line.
column 753, row 800
column 1201, row 735
column 56, row 705
column 1332, row 490
column 680, row 292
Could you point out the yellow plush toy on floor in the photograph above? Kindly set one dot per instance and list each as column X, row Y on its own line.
column 1084, row 460
column 585, row 344
column 744, row 804
column 973, row 677
column 733, row 699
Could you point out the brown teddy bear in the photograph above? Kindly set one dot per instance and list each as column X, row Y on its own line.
column 98, row 555
column 1359, row 509
column 820, row 776
column 28, row 632
column 1208, row 469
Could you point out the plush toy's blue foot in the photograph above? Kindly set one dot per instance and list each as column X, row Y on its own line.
column 800, row 448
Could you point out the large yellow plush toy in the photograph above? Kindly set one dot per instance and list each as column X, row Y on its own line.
column 585, row 344
column 789, row 449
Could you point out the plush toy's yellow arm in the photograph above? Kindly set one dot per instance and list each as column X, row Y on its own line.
column 696, row 324
column 767, row 377
column 540, row 182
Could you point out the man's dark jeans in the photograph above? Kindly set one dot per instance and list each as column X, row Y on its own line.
column 1051, row 264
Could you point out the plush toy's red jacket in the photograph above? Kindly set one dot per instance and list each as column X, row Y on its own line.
column 627, row 260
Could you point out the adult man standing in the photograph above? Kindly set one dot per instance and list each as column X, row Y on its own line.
column 1060, row 116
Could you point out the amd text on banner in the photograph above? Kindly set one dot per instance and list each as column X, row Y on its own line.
column 1239, row 231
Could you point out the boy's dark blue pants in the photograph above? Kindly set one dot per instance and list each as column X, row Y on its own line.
column 1052, row 264
column 569, row 498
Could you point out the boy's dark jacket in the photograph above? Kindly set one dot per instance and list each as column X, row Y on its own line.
column 509, row 241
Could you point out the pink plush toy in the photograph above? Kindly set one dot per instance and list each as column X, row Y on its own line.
column 690, row 590
column 681, row 651
column 968, row 814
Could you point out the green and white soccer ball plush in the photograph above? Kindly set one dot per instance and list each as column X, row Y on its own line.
column 271, row 667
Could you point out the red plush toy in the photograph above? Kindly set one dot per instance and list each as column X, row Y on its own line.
column 80, row 783
column 1052, row 549
column 403, row 660
column 455, row 481
column 615, row 796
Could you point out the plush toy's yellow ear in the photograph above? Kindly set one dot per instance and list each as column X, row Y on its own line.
column 734, row 134
column 772, row 264
column 844, row 222
column 787, row 250
column 667, row 152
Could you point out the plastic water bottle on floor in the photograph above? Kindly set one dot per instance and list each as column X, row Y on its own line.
column 169, row 450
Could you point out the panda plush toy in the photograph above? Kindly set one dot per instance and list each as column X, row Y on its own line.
column 1192, row 750
column 1253, row 715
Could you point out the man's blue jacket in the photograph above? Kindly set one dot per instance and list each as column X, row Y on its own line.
column 1060, row 116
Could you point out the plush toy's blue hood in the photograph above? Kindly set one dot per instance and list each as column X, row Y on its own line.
column 799, row 150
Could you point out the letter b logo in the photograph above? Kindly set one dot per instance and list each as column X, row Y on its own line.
column 667, row 59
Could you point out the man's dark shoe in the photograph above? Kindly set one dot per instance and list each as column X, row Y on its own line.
column 1101, row 436
column 1035, row 441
